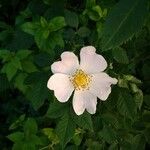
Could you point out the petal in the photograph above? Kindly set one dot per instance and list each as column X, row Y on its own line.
column 78, row 103
column 68, row 64
column 90, row 61
column 84, row 100
column 101, row 85
column 61, row 85
column 91, row 103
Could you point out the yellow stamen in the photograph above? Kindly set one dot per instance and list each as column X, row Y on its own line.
column 80, row 80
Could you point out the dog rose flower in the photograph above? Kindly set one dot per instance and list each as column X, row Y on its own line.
column 86, row 79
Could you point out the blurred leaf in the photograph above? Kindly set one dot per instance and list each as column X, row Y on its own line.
column 28, row 66
column 126, row 104
column 17, row 123
column 16, row 136
column 43, row 22
column 147, row 99
column 30, row 126
column 139, row 99
column 34, row 140
column 22, row 54
column 77, row 139
column 49, row 132
column 84, row 121
column 29, row 27
column 56, row 109
column 120, row 55
column 19, row 40
column 57, row 23
column 113, row 146
column 11, row 68
column 126, row 18
column 147, row 134
column 71, row 19
column 138, row 142
column 132, row 79
column 5, row 55
column 108, row 134
column 27, row 146
column 65, row 129
column 38, row 92
column 83, row 32
column 43, row 59
column 19, row 82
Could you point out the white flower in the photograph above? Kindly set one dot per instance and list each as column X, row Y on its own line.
column 86, row 79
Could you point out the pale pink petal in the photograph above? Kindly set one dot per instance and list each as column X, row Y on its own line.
column 101, row 85
column 90, row 61
column 91, row 103
column 78, row 103
column 84, row 100
column 69, row 64
column 61, row 85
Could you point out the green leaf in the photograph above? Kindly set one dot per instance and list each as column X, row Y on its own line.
column 33, row 139
column 17, row 123
column 28, row 146
column 19, row 82
column 108, row 134
column 132, row 79
column 98, row 10
column 49, row 132
column 126, row 104
column 43, row 59
column 83, row 32
column 138, row 142
column 147, row 100
column 57, row 23
column 56, row 109
column 110, row 119
column 43, row 22
column 23, row 146
column 113, row 146
column 38, row 91
column 126, row 18
column 29, row 27
column 65, row 129
column 120, row 55
column 40, row 39
column 71, row 19
column 5, row 55
column 17, row 146
column 84, row 121
column 16, row 136
column 77, row 139
column 139, row 99
column 22, row 54
column 16, row 63
column 30, row 126
column 10, row 70
column 147, row 134
column 28, row 66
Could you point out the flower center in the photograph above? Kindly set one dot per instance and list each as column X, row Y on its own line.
column 80, row 80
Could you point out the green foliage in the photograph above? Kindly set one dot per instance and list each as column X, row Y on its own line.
column 27, row 139
column 126, row 104
column 33, row 35
column 56, row 110
column 71, row 19
column 120, row 55
column 123, row 22
column 84, row 121
column 65, row 129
